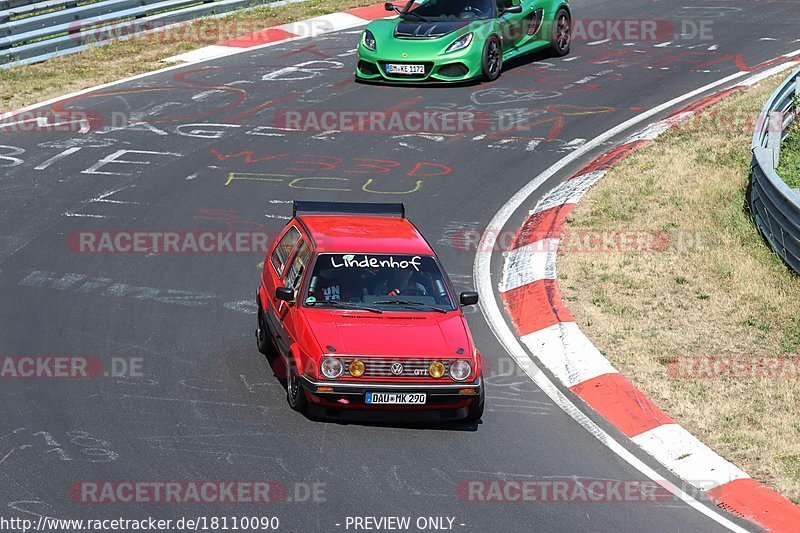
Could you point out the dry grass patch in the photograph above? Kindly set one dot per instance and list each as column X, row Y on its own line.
column 716, row 289
column 20, row 86
column 789, row 168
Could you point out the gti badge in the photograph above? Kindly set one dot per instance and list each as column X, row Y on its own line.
column 396, row 369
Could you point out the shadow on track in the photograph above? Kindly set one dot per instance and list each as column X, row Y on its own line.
column 412, row 420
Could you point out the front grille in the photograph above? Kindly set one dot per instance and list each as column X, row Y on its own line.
column 412, row 368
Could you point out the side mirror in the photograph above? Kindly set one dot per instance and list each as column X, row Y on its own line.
column 284, row 293
column 511, row 9
column 388, row 6
column 469, row 298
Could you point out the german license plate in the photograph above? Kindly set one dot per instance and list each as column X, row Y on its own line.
column 404, row 69
column 396, row 398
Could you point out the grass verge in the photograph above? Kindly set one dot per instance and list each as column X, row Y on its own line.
column 789, row 168
column 25, row 85
column 715, row 291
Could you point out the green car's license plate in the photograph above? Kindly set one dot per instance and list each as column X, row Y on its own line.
column 404, row 69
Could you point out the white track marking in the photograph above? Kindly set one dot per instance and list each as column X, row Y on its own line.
column 530, row 263
column 205, row 53
column 496, row 321
column 568, row 353
column 687, row 457
column 322, row 24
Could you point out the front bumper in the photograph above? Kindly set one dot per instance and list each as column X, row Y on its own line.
column 352, row 395
column 460, row 66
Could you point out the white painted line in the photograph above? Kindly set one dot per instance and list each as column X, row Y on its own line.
column 652, row 131
column 323, row 24
column 82, row 215
column 496, row 321
column 529, row 263
column 595, row 43
column 687, row 457
column 568, row 353
column 531, row 146
column 568, row 192
column 203, row 54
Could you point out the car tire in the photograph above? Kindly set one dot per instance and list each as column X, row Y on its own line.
column 492, row 59
column 263, row 338
column 475, row 409
column 561, row 33
column 295, row 394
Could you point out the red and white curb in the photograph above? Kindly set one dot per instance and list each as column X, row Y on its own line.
column 352, row 18
column 532, row 299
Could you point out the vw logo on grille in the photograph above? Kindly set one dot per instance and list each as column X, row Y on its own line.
column 396, row 369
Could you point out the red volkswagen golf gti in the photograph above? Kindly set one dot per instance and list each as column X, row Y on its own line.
column 356, row 303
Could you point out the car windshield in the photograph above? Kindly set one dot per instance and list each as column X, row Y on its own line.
column 442, row 10
column 385, row 282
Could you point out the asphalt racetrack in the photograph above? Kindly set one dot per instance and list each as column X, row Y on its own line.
column 205, row 148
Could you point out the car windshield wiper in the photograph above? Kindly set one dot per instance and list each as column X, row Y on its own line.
column 419, row 17
column 348, row 305
column 408, row 303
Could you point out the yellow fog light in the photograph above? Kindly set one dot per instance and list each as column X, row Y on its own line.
column 356, row 368
column 436, row 369
column 466, row 391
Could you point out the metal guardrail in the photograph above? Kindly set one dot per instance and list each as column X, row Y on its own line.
column 33, row 31
column 775, row 206
column 9, row 4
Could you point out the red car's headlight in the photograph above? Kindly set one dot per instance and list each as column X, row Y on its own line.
column 460, row 369
column 331, row 368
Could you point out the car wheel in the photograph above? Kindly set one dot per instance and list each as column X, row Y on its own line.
column 492, row 62
column 295, row 394
column 562, row 33
column 263, row 341
column 475, row 409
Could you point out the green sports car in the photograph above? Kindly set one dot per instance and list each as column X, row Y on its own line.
column 459, row 40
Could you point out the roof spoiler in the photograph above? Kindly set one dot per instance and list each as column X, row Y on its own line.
column 355, row 208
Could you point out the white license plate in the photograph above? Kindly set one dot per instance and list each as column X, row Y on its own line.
column 404, row 69
column 396, row 398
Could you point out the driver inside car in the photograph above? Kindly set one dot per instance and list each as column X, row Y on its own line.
column 400, row 282
column 448, row 9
